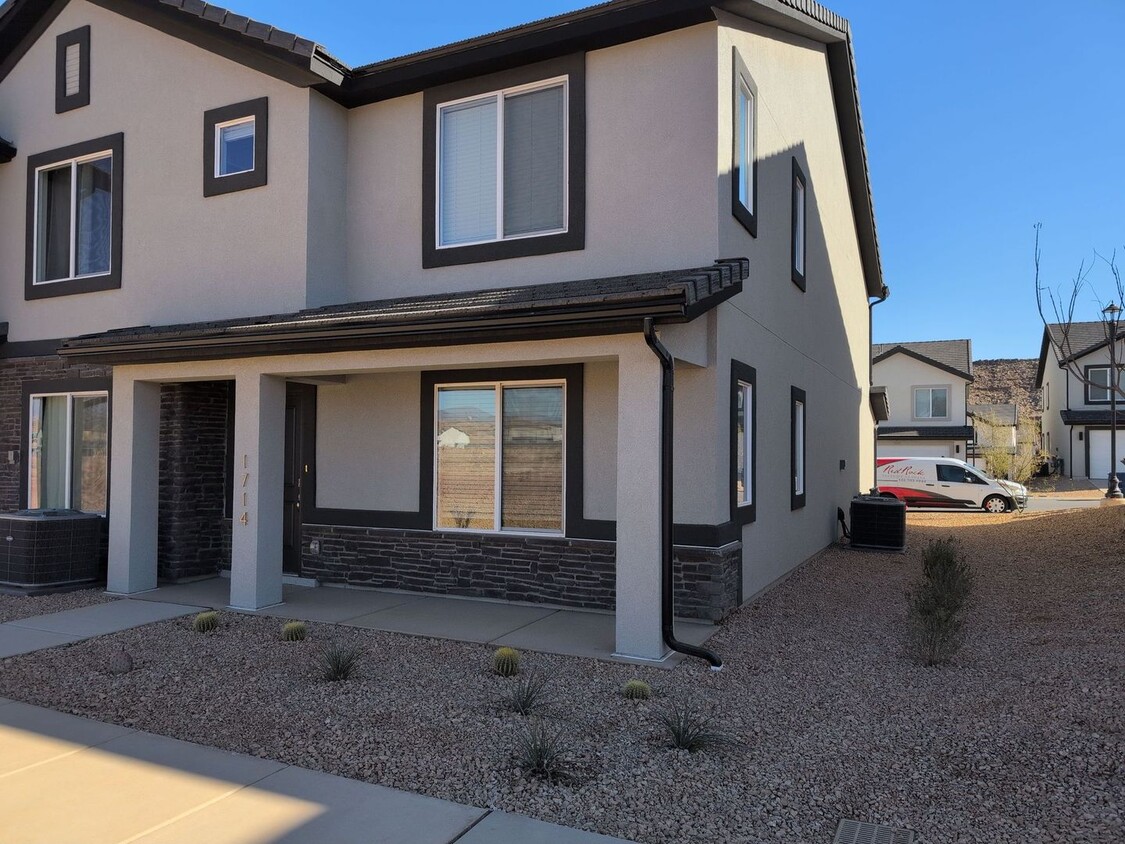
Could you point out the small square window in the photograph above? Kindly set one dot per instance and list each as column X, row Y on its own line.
column 72, row 70
column 799, row 237
column 931, row 402
column 235, row 147
column 235, row 152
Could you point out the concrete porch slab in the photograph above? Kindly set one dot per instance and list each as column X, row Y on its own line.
column 296, row 805
column 23, row 640
column 587, row 634
column 452, row 618
column 333, row 605
column 100, row 619
column 32, row 735
column 502, row 828
column 213, row 593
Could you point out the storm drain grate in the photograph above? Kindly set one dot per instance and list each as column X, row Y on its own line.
column 861, row 832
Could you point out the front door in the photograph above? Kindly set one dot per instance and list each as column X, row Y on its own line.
column 300, row 416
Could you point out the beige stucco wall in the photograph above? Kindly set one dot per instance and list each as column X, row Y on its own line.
column 599, row 446
column 648, row 190
column 327, row 207
column 186, row 257
column 817, row 340
column 900, row 374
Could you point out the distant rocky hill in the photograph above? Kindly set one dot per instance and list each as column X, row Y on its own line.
column 1006, row 381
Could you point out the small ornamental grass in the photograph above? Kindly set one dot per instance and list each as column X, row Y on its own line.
column 506, row 662
column 528, row 694
column 938, row 602
column 541, row 751
column 206, row 622
column 294, row 631
column 689, row 729
column 636, row 690
column 338, row 662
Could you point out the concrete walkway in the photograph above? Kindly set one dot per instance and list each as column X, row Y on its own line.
column 69, row 779
column 525, row 626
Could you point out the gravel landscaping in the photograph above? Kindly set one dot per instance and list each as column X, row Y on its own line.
column 1021, row 739
column 15, row 607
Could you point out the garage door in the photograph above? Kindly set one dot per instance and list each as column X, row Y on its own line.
column 915, row 450
column 1099, row 453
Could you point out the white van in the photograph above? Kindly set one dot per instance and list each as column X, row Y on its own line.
column 945, row 482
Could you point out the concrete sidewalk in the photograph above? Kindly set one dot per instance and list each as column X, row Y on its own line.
column 69, row 779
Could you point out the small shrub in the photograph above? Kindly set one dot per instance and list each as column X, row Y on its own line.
column 338, row 662
column 206, row 622
column 294, row 631
column 506, row 662
column 528, row 695
column 691, row 730
column 541, row 751
column 937, row 603
column 636, row 690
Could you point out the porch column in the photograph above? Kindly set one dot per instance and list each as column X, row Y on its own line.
column 133, row 494
column 259, row 453
column 638, row 505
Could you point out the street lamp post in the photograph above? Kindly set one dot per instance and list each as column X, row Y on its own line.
column 1112, row 313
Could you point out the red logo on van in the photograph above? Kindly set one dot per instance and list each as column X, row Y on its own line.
column 906, row 470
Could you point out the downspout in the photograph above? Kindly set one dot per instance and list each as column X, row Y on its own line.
column 883, row 294
column 667, row 580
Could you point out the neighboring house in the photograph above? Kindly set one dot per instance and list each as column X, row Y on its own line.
column 995, row 426
column 927, row 387
column 1076, row 414
column 390, row 325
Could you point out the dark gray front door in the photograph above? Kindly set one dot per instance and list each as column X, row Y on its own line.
column 300, row 443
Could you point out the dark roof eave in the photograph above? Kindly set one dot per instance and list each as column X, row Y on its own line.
column 7, row 151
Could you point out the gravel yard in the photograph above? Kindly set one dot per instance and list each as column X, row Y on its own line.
column 1021, row 740
column 15, row 607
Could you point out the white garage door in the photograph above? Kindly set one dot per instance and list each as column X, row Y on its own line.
column 907, row 449
column 1099, row 454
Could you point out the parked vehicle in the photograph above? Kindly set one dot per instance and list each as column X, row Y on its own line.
column 945, row 482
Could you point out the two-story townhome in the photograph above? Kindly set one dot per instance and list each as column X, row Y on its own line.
column 412, row 325
column 1076, row 410
column 927, row 388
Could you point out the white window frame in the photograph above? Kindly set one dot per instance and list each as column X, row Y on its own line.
column 72, row 163
column 500, row 95
column 498, row 510
column 930, row 388
column 70, row 397
column 746, row 149
column 746, row 390
column 799, row 424
column 218, row 140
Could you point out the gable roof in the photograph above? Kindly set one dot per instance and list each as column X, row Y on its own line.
column 1070, row 344
column 953, row 356
column 1000, row 414
column 305, row 63
column 565, row 309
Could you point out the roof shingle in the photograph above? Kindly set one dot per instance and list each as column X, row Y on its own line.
column 956, row 355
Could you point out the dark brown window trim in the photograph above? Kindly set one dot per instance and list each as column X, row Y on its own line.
column 799, row 178
column 747, row 217
column 108, row 281
column 81, row 37
column 61, row 385
column 1086, row 383
column 574, row 238
column 258, row 177
column 796, row 501
column 740, row 373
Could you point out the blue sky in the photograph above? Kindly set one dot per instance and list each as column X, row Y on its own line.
column 983, row 117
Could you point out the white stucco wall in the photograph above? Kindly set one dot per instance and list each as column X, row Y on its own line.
column 649, row 193
column 900, row 374
column 186, row 257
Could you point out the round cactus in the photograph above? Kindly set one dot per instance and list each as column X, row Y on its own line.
column 120, row 662
column 506, row 662
column 294, row 631
column 206, row 622
column 637, row 690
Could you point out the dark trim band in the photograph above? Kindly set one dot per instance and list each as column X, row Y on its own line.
column 797, row 500
column 81, row 38
column 800, row 217
column 214, row 185
column 748, row 217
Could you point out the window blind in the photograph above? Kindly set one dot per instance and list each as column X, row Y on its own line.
column 534, row 169
column 468, row 172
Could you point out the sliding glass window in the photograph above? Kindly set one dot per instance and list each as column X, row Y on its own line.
column 68, row 462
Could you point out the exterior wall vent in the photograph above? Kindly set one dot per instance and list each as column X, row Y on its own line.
column 860, row 832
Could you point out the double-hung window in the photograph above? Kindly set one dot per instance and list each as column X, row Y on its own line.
column 1097, row 385
column 931, row 402
column 68, row 451
column 499, row 456
column 74, row 219
column 505, row 165
column 797, row 444
column 743, row 442
column 744, row 164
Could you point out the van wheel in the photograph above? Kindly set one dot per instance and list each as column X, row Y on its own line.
column 996, row 504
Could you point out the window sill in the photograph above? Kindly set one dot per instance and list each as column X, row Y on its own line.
column 73, row 286
column 499, row 250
